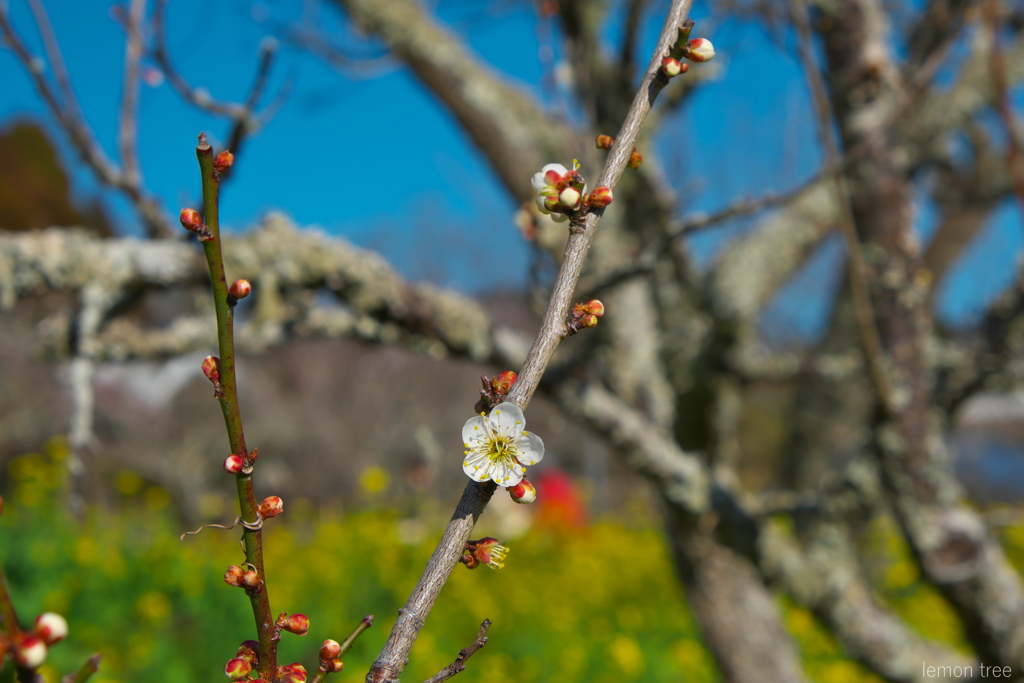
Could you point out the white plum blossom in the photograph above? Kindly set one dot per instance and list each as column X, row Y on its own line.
column 498, row 446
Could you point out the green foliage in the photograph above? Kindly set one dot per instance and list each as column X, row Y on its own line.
column 594, row 604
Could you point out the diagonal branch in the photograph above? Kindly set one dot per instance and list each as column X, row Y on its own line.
column 476, row 496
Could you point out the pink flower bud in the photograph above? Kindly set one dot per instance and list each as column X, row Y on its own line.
column 524, row 492
column 249, row 650
column 251, row 579
column 594, row 307
column 51, row 627
column 1, row 505
column 699, row 50
column 601, row 197
column 191, row 220
column 502, row 384
column 569, row 197
column 588, row 321
column 223, row 162
column 296, row 623
column 233, row 576
column 329, row 650
column 335, row 665
column 293, row 673
column 671, row 67
column 605, row 141
column 233, row 464
column 211, row 368
column 237, row 668
column 239, row 289
column 635, row 160
column 271, row 506
column 29, row 651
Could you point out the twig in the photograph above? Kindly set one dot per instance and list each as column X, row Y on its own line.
column 475, row 497
column 346, row 644
column 245, row 119
column 91, row 666
column 648, row 258
column 126, row 125
column 228, row 399
column 54, row 55
column 860, row 292
column 344, row 647
column 459, row 665
column 64, row 108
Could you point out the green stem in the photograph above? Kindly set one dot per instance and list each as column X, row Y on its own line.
column 253, row 538
column 346, row 644
column 91, row 666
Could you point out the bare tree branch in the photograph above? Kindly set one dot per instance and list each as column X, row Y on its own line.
column 459, row 665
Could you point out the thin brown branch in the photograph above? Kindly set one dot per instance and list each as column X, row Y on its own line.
column 127, row 125
column 476, row 496
column 198, row 98
column 459, row 665
column 646, row 262
column 55, row 56
column 64, row 108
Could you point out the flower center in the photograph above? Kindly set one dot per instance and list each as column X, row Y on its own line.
column 501, row 448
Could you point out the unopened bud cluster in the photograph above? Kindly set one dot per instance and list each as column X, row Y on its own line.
column 330, row 660
column 239, row 290
column 560, row 191
column 193, row 222
column 241, row 577
column 224, row 161
column 584, row 316
column 487, row 551
column 292, row 673
column 635, row 159
column 494, row 390
column 696, row 50
column 30, row 648
column 235, row 464
column 211, row 368
column 296, row 623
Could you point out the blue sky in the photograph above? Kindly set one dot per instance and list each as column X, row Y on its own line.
column 376, row 160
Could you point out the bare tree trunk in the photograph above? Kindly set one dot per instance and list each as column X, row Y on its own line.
column 737, row 614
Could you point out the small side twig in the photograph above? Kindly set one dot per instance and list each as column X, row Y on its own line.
column 91, row 666
column 244, row 117
column 346, row 644
column 344, row 647
column 64, row 108
column 126, row 124
column 459, row 665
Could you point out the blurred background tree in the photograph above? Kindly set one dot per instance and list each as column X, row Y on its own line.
column 829, row 445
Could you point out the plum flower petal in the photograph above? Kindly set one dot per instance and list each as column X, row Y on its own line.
column 498, row 447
